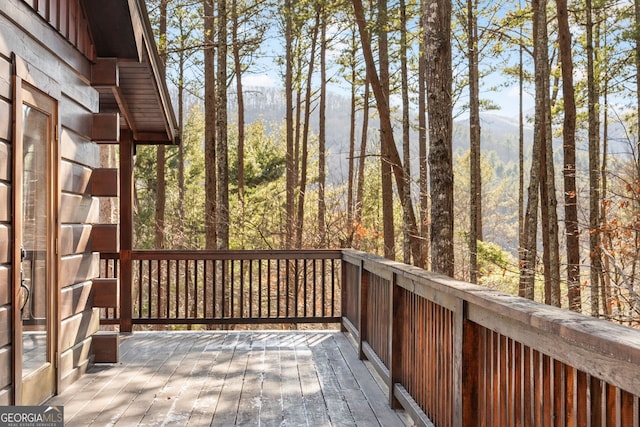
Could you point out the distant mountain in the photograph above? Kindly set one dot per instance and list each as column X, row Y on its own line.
column 499, row 133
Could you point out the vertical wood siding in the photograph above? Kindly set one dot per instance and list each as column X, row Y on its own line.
column 68, row 18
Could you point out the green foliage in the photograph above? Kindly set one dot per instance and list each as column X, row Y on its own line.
column 264, row 160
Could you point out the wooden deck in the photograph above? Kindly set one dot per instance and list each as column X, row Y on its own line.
column 231, row 378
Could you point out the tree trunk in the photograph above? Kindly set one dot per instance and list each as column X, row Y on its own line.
column 594, row 167
column 210, row 128
column 637, row 64
column 352, row 145
column 180, row 238
column 237, row 65
column 221, row 127
column 406, row 141
column 322, row 162
column 551, row 201
column 387, row 180
column 161, row 184
column 385, row 124
column 569, row 145
column 288, row 89
column 530, row 231
column 521, row 212
column 422, row 150
column 475, row 174
column 305, row 136
column 437, row 28
column 362, row 156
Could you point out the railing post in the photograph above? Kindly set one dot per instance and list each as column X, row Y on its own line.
column 362, row 303
column 126, row 229
column 344, row 293
column 467, row 365
column 396, row 340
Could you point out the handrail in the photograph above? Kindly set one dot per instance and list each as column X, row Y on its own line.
column 454, row 353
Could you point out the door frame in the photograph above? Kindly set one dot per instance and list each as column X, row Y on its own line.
column 28, row 79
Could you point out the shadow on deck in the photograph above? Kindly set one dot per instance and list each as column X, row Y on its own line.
column 231, row 378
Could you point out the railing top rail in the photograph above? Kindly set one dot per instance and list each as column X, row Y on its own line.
column 587, row 338
column 236, row 254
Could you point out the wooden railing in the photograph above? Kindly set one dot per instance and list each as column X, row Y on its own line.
column 232, row 287
column 455, row 354
column 451, row 353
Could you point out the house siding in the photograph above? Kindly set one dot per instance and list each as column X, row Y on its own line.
column 53, row 44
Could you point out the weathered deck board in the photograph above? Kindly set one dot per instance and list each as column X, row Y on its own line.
column 231, row 378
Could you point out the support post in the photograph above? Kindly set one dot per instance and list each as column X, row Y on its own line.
column 396, row 340
column 362, row 301
column 466, row 367
column 344, row 293
column 126, row 229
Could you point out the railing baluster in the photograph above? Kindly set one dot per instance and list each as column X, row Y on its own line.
column 251, row 296
column 167, row 275
column 187, row 301
column 196, row 286
column 303, row 280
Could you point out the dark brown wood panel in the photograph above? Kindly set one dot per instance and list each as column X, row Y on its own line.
column 105, row 238
column 78, row 209
column 5, row 375
column 5, row 202
column 104, row 73
column 106, row 127
column 106, row 347
column 75, row 299
column 78, row 268
column 5, row 161
column 77, row 328
column 75, row 239
column 5, row 284
column 106, row 293
column 5, row 244
column 63, row 21
column 5, row 325
column 74, row 178
column 54, row 12
column 104, row 182
column 79, row 149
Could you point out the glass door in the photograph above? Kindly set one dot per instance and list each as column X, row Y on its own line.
column 37, row 245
